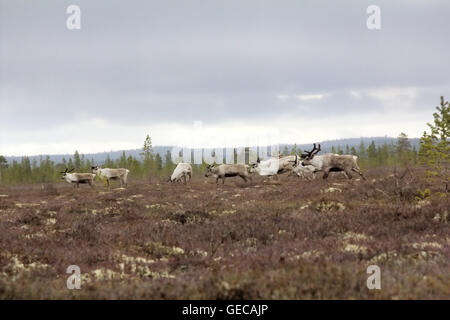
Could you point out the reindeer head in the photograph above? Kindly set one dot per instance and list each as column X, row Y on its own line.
column 309, row 155
column 252, row 167
column 95, row 169
column 209, row 170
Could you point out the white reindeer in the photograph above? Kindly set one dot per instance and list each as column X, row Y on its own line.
column 120, row 174
column 275, row 166
column 182, row 171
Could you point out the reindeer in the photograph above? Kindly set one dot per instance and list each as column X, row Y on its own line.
column 77, row 178
column 275, row 166
column 331, row 162
column 111, row 174
column 307, row 172
column 228, row 170
column 182, row 171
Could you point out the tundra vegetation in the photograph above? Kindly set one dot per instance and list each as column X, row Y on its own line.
column 296, row 239
column 249, row 240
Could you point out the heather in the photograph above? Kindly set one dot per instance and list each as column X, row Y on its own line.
column 286, row 239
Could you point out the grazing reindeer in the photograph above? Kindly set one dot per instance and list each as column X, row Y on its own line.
column 182, row 171
column 331, row 162
column 228, row 170
column 111, row 174
column 77, row 178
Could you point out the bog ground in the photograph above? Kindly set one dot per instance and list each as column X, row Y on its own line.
column 291, row 239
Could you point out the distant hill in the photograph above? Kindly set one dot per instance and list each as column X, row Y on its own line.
column 326, row 146
column 99, row 157
column 354, row 142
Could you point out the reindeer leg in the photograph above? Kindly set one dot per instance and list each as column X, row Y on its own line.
column 325, row 174
column 358, row 171
column 348, row 174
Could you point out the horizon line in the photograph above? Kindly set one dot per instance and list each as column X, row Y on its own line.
column 178, row 146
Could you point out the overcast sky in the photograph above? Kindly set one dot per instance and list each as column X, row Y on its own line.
column 302, row 71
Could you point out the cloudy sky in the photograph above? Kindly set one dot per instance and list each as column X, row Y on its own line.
column 233, row 70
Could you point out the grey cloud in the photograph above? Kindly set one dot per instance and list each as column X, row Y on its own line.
column 141, row 62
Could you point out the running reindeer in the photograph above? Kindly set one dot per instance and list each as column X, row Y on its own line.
column 330, row 162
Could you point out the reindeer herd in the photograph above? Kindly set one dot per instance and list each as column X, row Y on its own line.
column 103, row 173
column 306, row 165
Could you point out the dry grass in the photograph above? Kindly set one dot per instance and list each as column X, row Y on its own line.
column 292, row 240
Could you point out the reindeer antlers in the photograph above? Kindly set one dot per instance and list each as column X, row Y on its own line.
column 310, row 154
column 317, row 150
column 68, row 171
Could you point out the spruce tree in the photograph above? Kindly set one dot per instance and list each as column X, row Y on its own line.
column 77, row 161
column 403, row 149
column 123, row 160
column 70, row 164
column 147, row 154
column 3, row 166
column 347, row 149
column 372, row 153
column 158, row 163
column 434, row 149
column 168, row 163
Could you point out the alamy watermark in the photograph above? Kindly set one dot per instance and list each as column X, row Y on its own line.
column 228, row 149
column 374, row 20
column 74, row 280
column 374, row 280
column 73, row 22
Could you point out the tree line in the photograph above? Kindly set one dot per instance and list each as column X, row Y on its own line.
column 433, row 153
column 154, row 165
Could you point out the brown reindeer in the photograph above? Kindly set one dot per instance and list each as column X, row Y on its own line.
column 77, row 178
column 331, row 162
